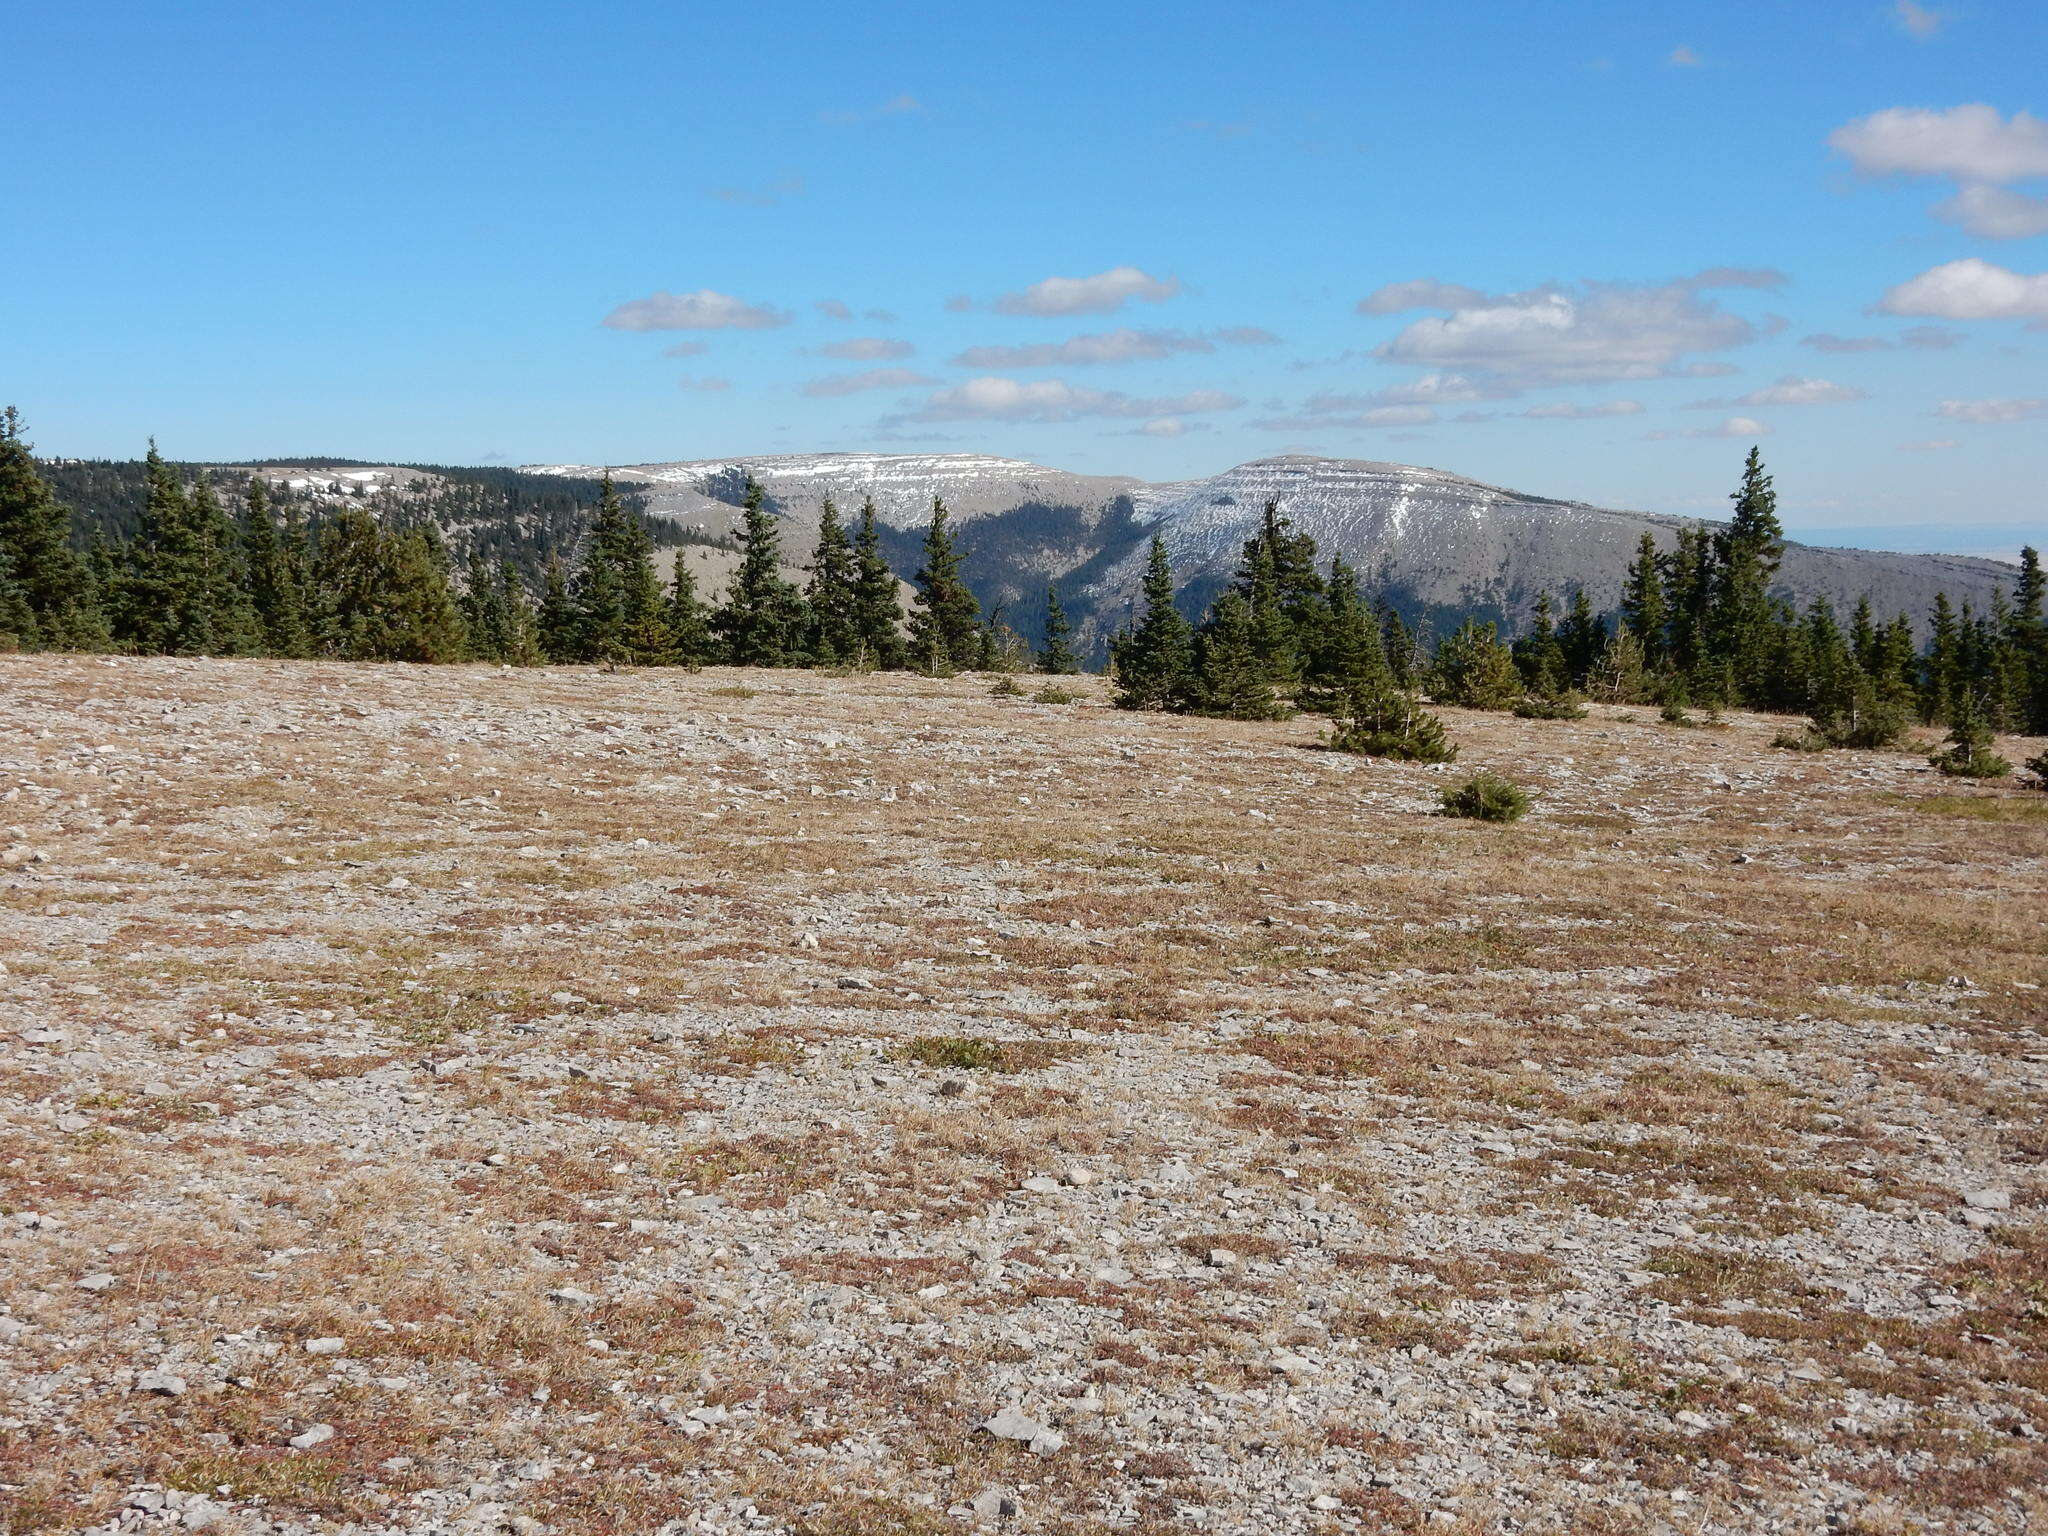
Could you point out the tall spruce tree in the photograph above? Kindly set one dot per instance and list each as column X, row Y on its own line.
column 383, row 594
column 1233, row 675
column 689, row 620
column 877, row 612
column 1746, row 555
column 1154, row 662
column 945, row 619
column 832, row 593
column 761, row 621
column 1056, row 656
column 51, row 599
column 276, row 588
column 556, row 629
column 1644, row 613
column 1349, row 653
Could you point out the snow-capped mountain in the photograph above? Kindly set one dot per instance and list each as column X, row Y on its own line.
column 1435, row 543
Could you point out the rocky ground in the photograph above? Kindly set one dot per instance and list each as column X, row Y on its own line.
column 458, row 1100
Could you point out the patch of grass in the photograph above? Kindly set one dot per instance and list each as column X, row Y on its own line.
column 1975, row 807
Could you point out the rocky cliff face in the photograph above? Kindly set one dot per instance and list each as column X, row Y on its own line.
column 1434, row 543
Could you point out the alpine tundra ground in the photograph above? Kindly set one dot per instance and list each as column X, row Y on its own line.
column 445, row 1099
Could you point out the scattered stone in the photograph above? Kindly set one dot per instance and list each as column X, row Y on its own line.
column 161, row 1382
column 316, row 1434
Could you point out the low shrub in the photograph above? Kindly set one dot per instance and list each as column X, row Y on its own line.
column 1486, row 796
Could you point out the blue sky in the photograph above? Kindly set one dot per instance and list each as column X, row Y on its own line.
column 1587, row 251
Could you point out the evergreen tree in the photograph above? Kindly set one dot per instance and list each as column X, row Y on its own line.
column 1403, row 647
column 1942, row 670
column 1644, row 611
column 498, row 618
column 1621, row 675
column 50, row 602
column 384, row 594
column 1746, row 554
column 1350, row 655
column 877, row 613
column 2026, row 632
column 945, row 618
column 1539, row 656
column 170, row 595
column 1233, row 676
column 1154, row 663
column 1380, row 720
column 276, row 586
column 761, row 621
column 689, row 621
column 832, row 593
column 1582, row 637
column 1968, row 753
column 599, row 588
column 556, row 626
column 1473, row 669
column 1056, row 656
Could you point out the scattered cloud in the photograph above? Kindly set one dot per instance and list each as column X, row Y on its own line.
column 993, row 398
column 879, row 316
column 903, row 104
column 833, row 309
column 1923, row 338
column 702, row 385
column 1734, row 426
column 1996, row 213
column 1992, row 412
column 1969, row 143
column 1918, row 21
column 1372, row 419
column 1970, row 289
column 766, row 196
column 1101, row 294
column 704, row 310
column 1591, row 333
column 1125, row 345
column 1560, row 411
column 959, row 304
column 1928, row 445
column 834, row 385
column 1684, row 56
column 866, row 349
column 1972, row 145
column 1419, row 293
column 1166, row 426
column 1790, row 390
column 687, row 349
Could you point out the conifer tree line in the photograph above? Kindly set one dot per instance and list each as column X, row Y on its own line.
column 196, row 576
column 1697, row 626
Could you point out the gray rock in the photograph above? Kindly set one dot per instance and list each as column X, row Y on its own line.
column 101, row 1282
column 163, row 1382
column 316, row 1434
column 994, row 1503
column 1988, row 1199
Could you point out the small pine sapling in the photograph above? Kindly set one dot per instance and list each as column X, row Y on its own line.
column 1486, row 796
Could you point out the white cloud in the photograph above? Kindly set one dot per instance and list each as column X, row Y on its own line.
column 1315, row 419
column 702, row 385
column 1970, row 289
column 861, row 349
column 1923, row 338
column 1928, row 445
column 687, row 349
column 1560, row 411
column 992, row 398
column 1119, row 346
column 1734, row 426
column 1598, row 332
column 1684, row 57
column 704, row 310
column 1419, row 293
column 1918, row 21
column 1996, row 213
column 1097, row 295
column 837, row 384
column 1790, row 390
column 1970, row 143
column 1992, row 412
column 833, row 309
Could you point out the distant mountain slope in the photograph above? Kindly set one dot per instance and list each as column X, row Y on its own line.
column 1436, row 544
